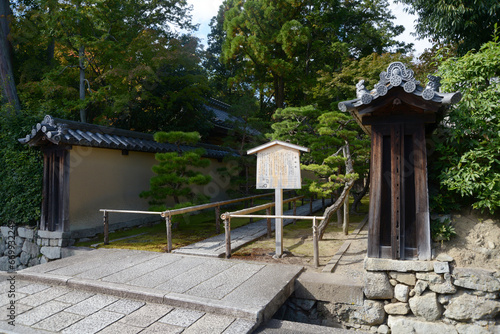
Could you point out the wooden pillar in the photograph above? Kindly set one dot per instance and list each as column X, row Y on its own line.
column 375, row 195
column 396, row 168
column 422, row 199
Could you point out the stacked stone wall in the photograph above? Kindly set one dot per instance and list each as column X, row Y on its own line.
column 431, row 297
column 23, row 247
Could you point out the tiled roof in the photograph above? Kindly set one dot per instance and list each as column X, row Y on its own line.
column 59, row 131
column 397, row 76
column 223, row 119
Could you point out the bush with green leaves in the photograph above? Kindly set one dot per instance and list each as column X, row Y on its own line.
column 469, row 163
column 175, row 173
column 21, row 173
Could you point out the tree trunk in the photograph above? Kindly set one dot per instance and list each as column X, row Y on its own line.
column 279, row 90
column 7, row 82
column 359, row 196
column 340, row 201
column 81, row 55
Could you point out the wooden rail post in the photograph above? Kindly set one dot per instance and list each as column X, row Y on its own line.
column 217, row 219
column 168, row 225
column 315, row 243
column 227, row 227
column 294, row 211
column 251, row 204
column 105, row 219
column 346, row 215
column 268, row 213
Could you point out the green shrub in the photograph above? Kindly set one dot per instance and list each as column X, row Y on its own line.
column 21, row 172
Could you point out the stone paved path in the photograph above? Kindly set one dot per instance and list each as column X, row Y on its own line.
column 216, row 247
column 42, row 308
column 93, row 291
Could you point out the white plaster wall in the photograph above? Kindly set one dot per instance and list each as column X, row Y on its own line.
column 106, row 179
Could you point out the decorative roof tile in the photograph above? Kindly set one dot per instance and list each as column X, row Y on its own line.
column 64, row 132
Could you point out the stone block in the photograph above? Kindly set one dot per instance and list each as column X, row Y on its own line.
column 5, row 230
column 26, row 232
column 4, row 263
column 443, row 257
column 426, row 306
column 31, row 248
column 371, row 313
column 51, row 253
column 401, row 292
column 420, row 287
column 330, row 288
column 430, row 277
column 476, row 279
column 377, row 286
column 441, row 267
column 376, row 264
column 24, row 258
column 55, row 242
column 405, row 278
column 472, row 329
column 397, row 308
column 467, row 307
column 399, row 324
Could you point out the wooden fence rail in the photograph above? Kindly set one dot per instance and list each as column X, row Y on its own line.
column 240, row 214
column 167, row 215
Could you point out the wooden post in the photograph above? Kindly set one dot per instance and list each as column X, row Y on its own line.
column 294, row 210
column 217, row 219
column 278, row 222
column 268, row 213
column 168, row 223
column 227, row 227
column 315, row 243
column 106, row 228
column 251, row 205
column 345, row 225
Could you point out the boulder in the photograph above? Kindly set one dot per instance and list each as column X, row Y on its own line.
column 476, row 279
column 371, row 313
column 426, row 306
column 467, row 307
column 401, row 292
column 51, row 253
column 397, row 308
column 416, row 326
column 378, row 286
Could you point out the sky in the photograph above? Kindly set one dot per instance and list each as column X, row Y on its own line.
column 204, row 10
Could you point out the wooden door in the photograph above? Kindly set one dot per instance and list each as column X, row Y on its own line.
column 398, row 217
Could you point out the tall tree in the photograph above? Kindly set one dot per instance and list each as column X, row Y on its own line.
column 467, row 159
column 468, row 23
column 299, row 39
column 328, row 134
column 8, row 93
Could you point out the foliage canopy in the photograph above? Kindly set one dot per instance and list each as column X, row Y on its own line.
column 469, row 163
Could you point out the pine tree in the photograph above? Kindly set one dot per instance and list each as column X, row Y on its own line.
column 175, row 172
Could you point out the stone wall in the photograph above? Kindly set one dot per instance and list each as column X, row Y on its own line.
column 22, row 247
column 431, row 297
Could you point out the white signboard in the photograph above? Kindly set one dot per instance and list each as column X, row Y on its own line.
column 278, row 167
